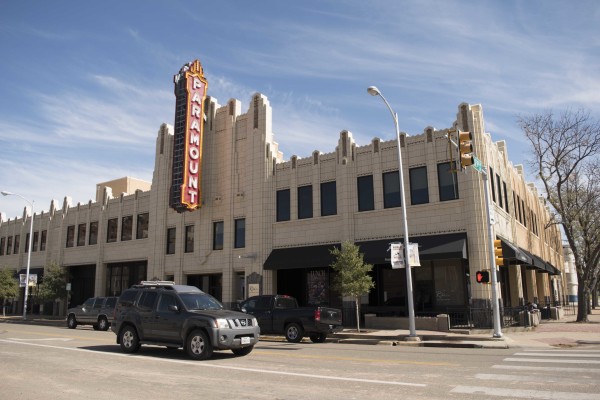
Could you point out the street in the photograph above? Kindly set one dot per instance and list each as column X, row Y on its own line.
column 46, row 362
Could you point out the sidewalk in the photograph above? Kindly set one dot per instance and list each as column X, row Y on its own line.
column 549, row 334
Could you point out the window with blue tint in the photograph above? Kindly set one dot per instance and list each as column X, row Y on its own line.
column 240, row 233
column 305, row 202
column 328, row 199
column 171, row 232
column 218, row 228
column 447, row 181
column 366, row 200
column 419, row 188
column 283, row 205
column 391, row 190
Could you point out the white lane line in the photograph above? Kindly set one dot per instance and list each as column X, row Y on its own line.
column 545, row 360
column 204, row 364
column 498, row 377
column 557, row 354
column 524, row 393
column 546, row 369
column 44, row 339
column 561, row 351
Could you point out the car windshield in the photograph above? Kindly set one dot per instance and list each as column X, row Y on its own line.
column 200, row 301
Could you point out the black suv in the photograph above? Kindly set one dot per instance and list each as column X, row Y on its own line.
column 164, row 314
column 96, row 311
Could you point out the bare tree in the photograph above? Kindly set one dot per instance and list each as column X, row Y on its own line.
column 567, row 159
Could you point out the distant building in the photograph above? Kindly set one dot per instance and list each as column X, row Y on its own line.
column 570, row 272
column 265, row 225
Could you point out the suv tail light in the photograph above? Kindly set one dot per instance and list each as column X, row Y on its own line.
column 317, row 315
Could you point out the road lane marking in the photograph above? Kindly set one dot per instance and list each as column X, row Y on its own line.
column 43, row 339
column 558, row 353
column 338, row 358
column 545, row 360
column 524, row 393
column 206, row 365
column 547, row 369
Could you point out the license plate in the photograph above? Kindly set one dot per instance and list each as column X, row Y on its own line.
column 245, row 340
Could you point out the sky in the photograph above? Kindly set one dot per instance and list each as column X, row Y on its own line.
column 85, row 86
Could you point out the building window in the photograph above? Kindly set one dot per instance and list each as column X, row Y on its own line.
column 111, row 230
column 492, row 184
column 305, row 203
column 366, row 198
column 81, row 235
column 240, row 233
column 171, row 233
column 43, row 240
column 447, row 181
column 93, row 239
column 36, row 236
column 328, row 199
column 9, row 242
column 391, row 190
column 141, row 231
column 70, row 235
column 218, row 228
column 2, row 240
column 499, row 190
column 26, row 249
column 283, row 205
column 189, row 239
column 505, row 197
column 127, row 228
column 17, row 246
column 419, row 189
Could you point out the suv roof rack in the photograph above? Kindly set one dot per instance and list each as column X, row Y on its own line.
column 155, row 284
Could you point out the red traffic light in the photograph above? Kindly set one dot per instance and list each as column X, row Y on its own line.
column 482, row 276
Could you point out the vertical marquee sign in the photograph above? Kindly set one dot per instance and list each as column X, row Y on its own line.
column 190, row 93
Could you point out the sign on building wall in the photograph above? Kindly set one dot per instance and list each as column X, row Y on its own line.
column 397, row 250
column 190, row 93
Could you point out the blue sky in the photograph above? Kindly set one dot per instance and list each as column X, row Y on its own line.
column 84, row 86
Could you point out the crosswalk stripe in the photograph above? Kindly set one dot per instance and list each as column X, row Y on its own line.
column 562, row 351
column 545, row 360
column 499, row 377
column 558, row 354
column 524, row 393
column 546, row 369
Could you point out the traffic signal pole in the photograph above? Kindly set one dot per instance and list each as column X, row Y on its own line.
column 465, row 159
column 490, row 222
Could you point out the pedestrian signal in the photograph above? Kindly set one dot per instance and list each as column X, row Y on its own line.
column 482, row 276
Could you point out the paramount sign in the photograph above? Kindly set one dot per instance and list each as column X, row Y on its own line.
column 190, row 173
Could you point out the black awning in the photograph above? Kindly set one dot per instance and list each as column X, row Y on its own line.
column 552, row 270
column 433, row 247
column 542, row 265
column 300, row 257
column 32, row 271
column 514, row 254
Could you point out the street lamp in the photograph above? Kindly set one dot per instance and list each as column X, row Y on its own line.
column 373, row 91
column 28, row 250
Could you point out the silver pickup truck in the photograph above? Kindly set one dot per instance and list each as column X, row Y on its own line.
column 95, row 311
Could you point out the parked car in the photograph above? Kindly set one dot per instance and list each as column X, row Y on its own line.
column 164, row 314
column 95, row 311
column 281, row 315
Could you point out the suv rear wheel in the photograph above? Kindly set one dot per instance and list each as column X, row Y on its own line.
column 71, row 322
column 198, row 346
column 103, row 324
column 130, row 343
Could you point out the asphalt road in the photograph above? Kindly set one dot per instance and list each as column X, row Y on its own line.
column 44, row 362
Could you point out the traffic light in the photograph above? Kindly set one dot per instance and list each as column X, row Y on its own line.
column 498, row 252
column 465, row 149
column 482, row 276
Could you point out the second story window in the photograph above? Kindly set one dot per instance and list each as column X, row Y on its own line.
column 111, row 230
column 81, row 235
column 2, row 240
column 419, row 187
column 127, row 228
column 328, row 199
column 70, row 235
column 391, row 190
column 218, row 228
column 189, row 239
column 141, row 231
column 43, row 240
column 305, row 202
column 447, row 181
column 17, row 244
column 240, row 233
column 366, row 199
column 171, row 240
column 93, row 239
column 9, row 242
column 283, row 205
column 36, row 236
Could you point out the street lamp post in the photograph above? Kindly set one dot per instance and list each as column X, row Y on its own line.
column 373, row 91
column 31, row 203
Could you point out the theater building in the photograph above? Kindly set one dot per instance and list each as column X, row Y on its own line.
column 227, row 213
